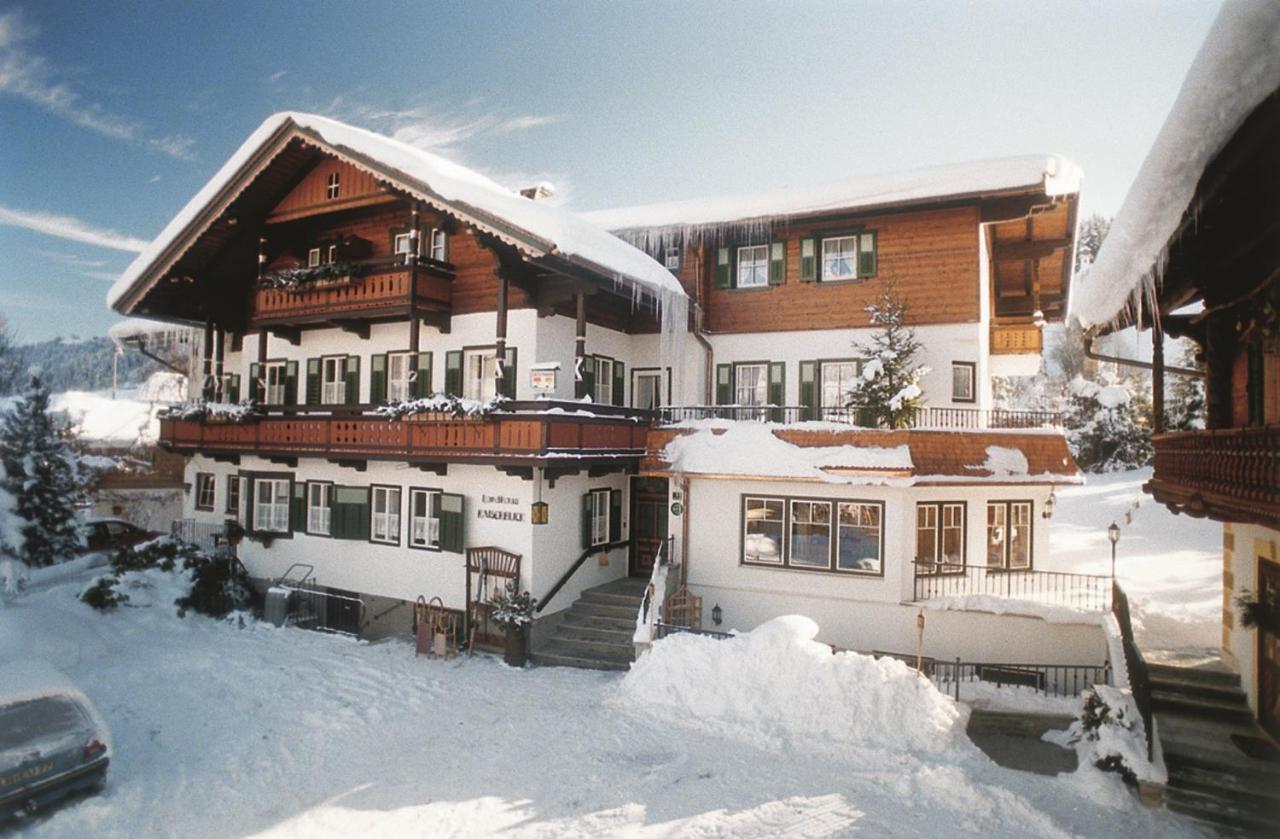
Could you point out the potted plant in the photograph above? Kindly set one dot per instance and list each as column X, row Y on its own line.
column 235, row 532
column 513, row 613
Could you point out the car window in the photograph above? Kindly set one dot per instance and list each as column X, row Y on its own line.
column 116, row 528
column 39, row 720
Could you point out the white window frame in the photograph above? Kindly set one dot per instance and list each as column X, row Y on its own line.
column 479, row 381
column 970, row 371
column 603, row 394
column 403, row 244
column 830, row 260
column 646, row 375
column 860, row 510
column 333, row 187
column 275, row 393
column 313, row 257
column 599, row 517
column 384, row 526
column 235, row 493
column 439, row 245
column 206, row 487
column 793, row 519
column 331, row 255
column 319, row 508
column 424, row 528
column 834, row 411
column 756, row 393
column 759, row 502
column 1002, row 529
column 753, row 266
column 271, row 515
column 671, row 258
column 399, row 384
column 333, row 390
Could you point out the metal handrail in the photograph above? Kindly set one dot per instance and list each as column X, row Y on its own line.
column 1135, row 664
column 564, row 578
column 1061, row 588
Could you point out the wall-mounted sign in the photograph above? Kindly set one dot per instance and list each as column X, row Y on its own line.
column 542, row 377
column 494, row 514
column 677, row 509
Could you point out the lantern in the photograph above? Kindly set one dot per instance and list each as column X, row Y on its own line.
column 538, row 512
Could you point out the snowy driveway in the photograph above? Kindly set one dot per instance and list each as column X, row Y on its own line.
column 228, row 731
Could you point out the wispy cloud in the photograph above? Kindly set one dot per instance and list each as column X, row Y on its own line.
column 32, row 77
column 72, row 259
column 277, row 76
column 435, row 129
column 105, row 276
column 153, row 179
column 73, row 229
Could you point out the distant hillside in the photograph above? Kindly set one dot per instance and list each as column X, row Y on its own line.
column 75, row 365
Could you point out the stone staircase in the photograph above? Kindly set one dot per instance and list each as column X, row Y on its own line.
column 595, row 633
column 1211, row 779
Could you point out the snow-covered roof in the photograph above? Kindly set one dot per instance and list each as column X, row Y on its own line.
column 1053, row 174
column 537, row 228
column 1238, row 66
column 153, row 330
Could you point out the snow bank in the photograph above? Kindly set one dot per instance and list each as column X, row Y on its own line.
column 1019, row 605
column 1237, row 67
column 747, row 448
column 778, row 687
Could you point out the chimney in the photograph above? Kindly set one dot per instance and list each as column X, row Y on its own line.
column 539, row 192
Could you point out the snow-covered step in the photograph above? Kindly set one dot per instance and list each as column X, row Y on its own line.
column 607, row 610
column 596, row 631
column 1201, row 706
column 596, row 622
column 578, row 631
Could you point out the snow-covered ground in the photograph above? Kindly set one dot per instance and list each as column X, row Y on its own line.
column 230, row 730
column 1169, row 565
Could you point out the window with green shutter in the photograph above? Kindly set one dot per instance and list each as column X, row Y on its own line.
column 298, row 507
column 867, row 254
column 777, row 263
column 378, row 378
column 510, row 374
column 313, row 381
column 589, row 375
column 350, row 516
column 255, row 382
column 450, row 509
column 724, row 384
column 724, row 271
column 291, row 383
column 808, row 390
column 420, row 387
column 353, row 380
column 615, row 515
column 233, row 388
column 778, row 389
column 453, row 372
column 619, row 382
column 808, row 259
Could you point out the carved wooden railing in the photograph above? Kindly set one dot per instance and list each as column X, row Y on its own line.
column 1016, row 339
column 1230, row 474
column 374, row 285
column 928, row 417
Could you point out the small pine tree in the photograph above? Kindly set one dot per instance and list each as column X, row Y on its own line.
column 1089, row 241
column 41, row 474
column 889, row 388
column 1184, row 400
column 1107, row 429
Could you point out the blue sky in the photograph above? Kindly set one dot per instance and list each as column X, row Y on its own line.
column 113, row 114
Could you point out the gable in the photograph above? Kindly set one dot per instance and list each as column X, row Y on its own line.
column 310, row 196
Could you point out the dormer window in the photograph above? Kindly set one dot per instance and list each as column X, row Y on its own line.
column 331, row 190
column 313, row 257
column 672, row 260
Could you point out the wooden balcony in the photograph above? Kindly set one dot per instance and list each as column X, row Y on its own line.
column 523, row 434
column 1227, row 474
column 382, row 288
column 1016, row 339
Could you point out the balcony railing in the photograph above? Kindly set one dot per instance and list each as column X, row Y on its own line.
column 1016, row 339
column 374, row 287
column 526, row 432
column 1089, row 592
column 925, row 418
column 1229, row 474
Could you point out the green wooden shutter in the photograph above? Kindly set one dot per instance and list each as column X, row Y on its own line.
column 450, row 509
column 453, row 373
column 313, row 381
column 353, row 380
column 255, row 376
column 378, row 378
column 808, row 260
column 809, row 390
column 233, row 388
column 589, row 376
column 507, row 387
column 291, row 383
column 421, row 385
column 228, row 507
column 777, row 263
column 298, row 508
column 724, row 276
column 619, row 382
column 778, row 388
column 350, row 513
column 247, row 488
column 615, row 515
column 586, row 521
column 867, row 255
column 724, row 384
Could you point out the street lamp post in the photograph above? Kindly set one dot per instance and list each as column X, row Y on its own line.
column 1113, row 533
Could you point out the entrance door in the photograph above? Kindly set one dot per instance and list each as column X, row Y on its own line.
column 648, row 522
column 1268, row 655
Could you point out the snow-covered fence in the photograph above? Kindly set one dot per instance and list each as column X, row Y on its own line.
column 1050, row 679
column 1088, row 592
column 924, row 418
column 210, row 537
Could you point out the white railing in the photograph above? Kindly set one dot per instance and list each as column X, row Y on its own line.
column 655, row 596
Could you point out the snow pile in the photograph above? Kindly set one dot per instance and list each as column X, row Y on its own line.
column 1237, row 67
column 1004, row 462
column 97, row 418
column 777, row 687
column 1108, row 396
column 1024, row 605
column 1115, row 733
column 747, row 448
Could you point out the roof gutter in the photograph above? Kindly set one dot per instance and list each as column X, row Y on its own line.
column 1134, row 362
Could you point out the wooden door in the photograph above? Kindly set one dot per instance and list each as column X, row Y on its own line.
column 648, row 523
column 1268, row 656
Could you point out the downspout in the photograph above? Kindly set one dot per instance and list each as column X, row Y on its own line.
column 684, row 533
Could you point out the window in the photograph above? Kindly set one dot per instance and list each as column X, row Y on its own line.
column 400, row 376
column 333, row 382
column 424, row 521
column 271, row 505
column 1009, row 535
column 753, row 266
column 858, row 546
column 762, row 530
column 233, row 496
column 963, row 374
column 319, row 509
column 479, row 382
column 331, row 189
column 809, row 543
column 604, row 381
column 751, row 384
column 837, row 383
column 403, row 243
column 439, row 245
column 313, row 257
column 599, row 509
column 276, row 375
column 840, row 258
column 672, row 258
column 646, row 389
column 940, row 537
column 385, row 523
column 205, row 489
column 332, row 255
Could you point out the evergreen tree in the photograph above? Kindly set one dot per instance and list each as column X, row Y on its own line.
column 889, row 388
column 1107, row 428
column 1089, row 241
column 41, row 473
column 1185, row 408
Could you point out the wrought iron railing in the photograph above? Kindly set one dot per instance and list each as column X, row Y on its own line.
column 205, row 535
column 1090, row 592
column 1050, row 679
column 925, row 418
column 1135, row 664
column 662, row 630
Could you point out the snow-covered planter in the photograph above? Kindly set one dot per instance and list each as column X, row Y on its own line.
column 513, row 613
column 296, row 280
column 1109, row 735
column 440, row 407
column 229, row 413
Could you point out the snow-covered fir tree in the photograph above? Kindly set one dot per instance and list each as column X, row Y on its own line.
column 1184, row 395
column 889, row 388
column 1089, row 241
column 42, row 476
column 1107, row 428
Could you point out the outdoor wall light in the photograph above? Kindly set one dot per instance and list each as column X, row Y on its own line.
column 717, row 616
column 1037, row 319
column 1113, row 533
column 1049, row 504
column 538, row 514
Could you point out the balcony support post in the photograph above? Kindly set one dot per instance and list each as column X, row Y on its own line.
column 219, row 352
column 1157, row 375
column 260, row 384
column 414, row 255
column 206, row 382
column 580, row 348
column 500, row 335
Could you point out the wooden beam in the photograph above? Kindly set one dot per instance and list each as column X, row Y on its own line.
column 1028, row 249
column 440, row 469
column 226, row 458
column 359, row 328
column 358, row 465
column 524, row 473
column 291, row 462
column 443, row 321
column 287, row 333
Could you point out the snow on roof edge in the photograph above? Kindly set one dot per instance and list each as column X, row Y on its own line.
column 1237, row 67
